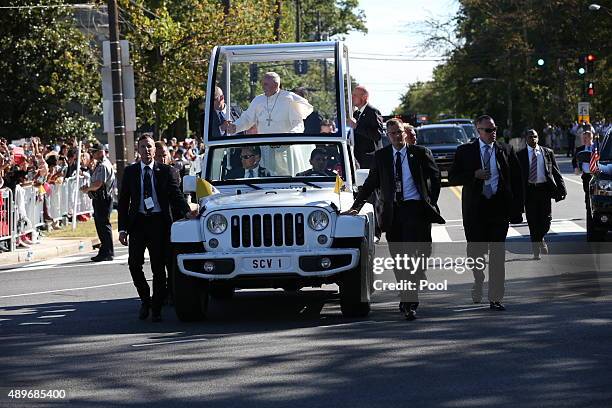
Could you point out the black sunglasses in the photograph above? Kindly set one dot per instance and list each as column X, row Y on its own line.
column 489, row 130
column 247, row 156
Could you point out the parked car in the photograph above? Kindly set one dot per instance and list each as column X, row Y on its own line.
column 467, row 125
column 442, row 140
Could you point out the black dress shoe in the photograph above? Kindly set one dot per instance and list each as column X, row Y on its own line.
column 496, row 306
column 143, row 313
column 99, row 258
column 156, row 316
column 411, row 315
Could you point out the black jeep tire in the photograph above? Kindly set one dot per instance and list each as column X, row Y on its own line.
column 190, row 295
column 221, row 292
column 352, row 285
column 595, row 234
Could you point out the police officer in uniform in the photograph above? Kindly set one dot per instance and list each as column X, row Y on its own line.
column 100, row 191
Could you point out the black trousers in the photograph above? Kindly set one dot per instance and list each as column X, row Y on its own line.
column 487, row 234
column 538, row 211
column 586, row 179
column 410, row 234
column 102, row 210
column 150, row 232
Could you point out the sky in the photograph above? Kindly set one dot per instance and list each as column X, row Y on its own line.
column 391, row 25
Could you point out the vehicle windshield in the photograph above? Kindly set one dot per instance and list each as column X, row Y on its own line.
column 274, row 97
column 273, row 162
column 434, row 136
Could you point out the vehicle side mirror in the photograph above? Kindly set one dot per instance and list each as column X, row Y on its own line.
column 360, row 176
column 584, row 156
column 189, row 184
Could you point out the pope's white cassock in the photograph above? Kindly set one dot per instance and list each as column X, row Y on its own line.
column 283, row 112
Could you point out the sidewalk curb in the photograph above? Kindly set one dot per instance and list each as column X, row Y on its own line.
column 47, row 250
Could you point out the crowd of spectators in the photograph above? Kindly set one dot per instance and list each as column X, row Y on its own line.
column 30, row 163
column 563, row 139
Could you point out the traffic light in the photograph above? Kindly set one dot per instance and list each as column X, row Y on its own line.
column 581, row 65
column 590, row 60
column 591, row 89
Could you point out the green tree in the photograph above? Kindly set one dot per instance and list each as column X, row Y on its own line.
column 503, row 40
column 49, row 73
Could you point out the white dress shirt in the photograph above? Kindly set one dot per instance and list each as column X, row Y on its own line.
column 156, row 207
column 493, row 180
column 541, row 178
column 408, row 187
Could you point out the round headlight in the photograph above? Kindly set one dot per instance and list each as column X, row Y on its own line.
column 318, row 220
column 216, row 223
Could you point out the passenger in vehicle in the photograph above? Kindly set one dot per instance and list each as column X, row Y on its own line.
column 276, row 111
column 312, row 123
column 318, row 161
column 250, row 158
column 328, row 126
column 410, row 134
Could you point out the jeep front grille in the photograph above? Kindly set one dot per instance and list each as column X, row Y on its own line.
column 267, row 230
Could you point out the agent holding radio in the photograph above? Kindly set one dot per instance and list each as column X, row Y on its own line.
column 100, row 191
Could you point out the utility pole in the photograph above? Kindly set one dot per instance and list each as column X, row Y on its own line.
column 277, row 20
column 298, row 13
column 118, row 115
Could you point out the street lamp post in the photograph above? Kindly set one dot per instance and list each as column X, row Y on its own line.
column 508, row 97
column 597, row 7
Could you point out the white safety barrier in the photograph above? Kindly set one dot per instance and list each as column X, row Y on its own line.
column 60, row 205
column 7, row 218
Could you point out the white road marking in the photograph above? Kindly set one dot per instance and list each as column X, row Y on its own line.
column 440, row 234
column 512, row 232
column 572, row 180
column 163, row 343
column 566, row 226
column 65, row 290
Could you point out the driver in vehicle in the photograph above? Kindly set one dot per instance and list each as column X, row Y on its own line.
column 318, row 161
column 250, row 158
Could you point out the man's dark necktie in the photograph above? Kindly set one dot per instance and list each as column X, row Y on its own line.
column 147, row 190
column 533, row 168
column 357, row 114
column 487, row 188
column 399, row 190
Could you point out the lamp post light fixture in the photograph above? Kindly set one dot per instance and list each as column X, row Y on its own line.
column 508, row 97
column 597, row 7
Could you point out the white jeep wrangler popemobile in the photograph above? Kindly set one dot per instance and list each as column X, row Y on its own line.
column 278, row 229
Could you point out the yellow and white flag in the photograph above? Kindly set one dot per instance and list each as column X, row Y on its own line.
column 339, row 184
column 204, row 188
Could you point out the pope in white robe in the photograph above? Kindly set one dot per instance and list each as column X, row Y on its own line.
column 276, row 111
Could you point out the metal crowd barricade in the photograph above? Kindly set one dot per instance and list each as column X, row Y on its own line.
column 60, row 205
column 34, row 207
column 8, row 222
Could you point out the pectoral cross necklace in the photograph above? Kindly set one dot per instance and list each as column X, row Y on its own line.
column 269, row 119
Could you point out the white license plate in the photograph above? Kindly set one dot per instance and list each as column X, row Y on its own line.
column 273, row 263
column 444, row 173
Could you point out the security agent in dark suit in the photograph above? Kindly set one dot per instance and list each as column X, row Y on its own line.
column 162, row 156
column 150, row 199
column 250, row 157
column 542, row 182
column 367, row 126
column 492, row 197
column 218, row 116
column 409, row 182
column 583, row 169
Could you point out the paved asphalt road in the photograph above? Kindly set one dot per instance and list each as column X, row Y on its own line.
column 70, row 325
